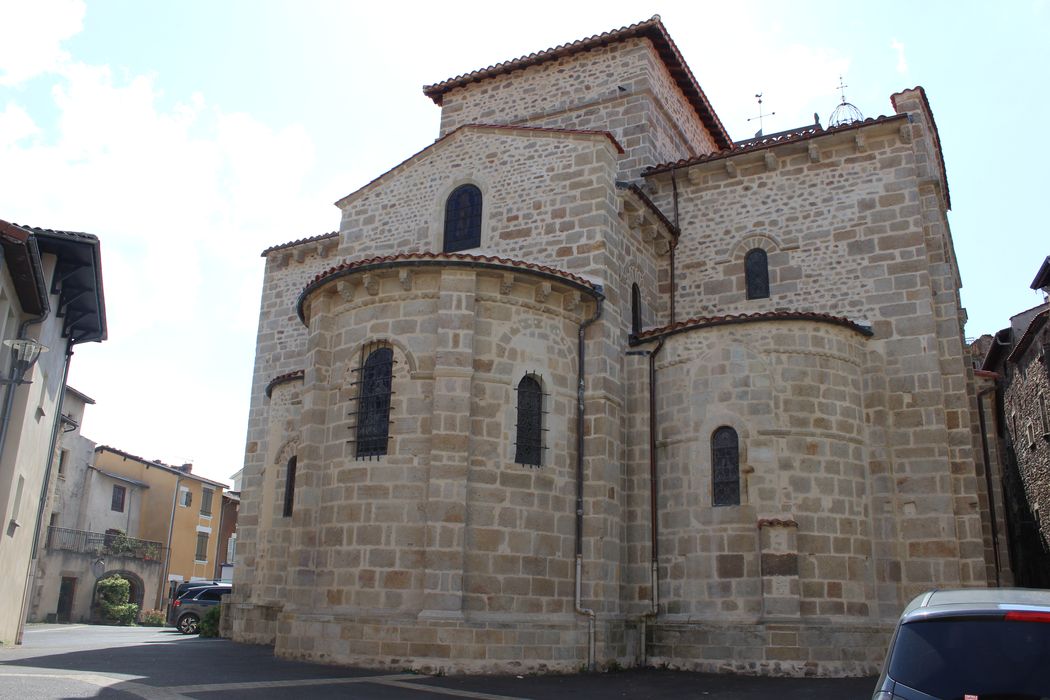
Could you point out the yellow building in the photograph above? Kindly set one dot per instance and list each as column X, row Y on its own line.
column 179, row 508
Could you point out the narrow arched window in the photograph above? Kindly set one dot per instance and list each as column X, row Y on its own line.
column 462, row 219
column 528, row 446
column 289, row 487
column 373, row 403
column 636, row 310
column 725, row 467
column 756, row 274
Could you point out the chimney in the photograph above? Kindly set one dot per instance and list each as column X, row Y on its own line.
column 186, row 468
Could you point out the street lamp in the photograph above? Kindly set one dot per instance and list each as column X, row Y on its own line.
column 26, row 352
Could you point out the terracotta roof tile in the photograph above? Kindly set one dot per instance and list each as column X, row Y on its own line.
column 652, row 29
column 283, row 379
column 730, row 319
column 292, row 244
column 428, row 258
column 759, row 144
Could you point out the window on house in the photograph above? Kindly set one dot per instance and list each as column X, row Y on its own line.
column 725, row 467
column 206, row 496
column 202, row 547
column 289, row 487
column 63, row 456
column 756, row 274
column 462, row 219
column 528, row 445
column 117, row 502
column 636, row 310
column 231, row 549
column 185, row 497
column 373, row 402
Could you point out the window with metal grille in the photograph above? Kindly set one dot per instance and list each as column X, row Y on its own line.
column 202, row 547
column 756, row 274
column 117, row 502
column 289, row 487
column 375, row 384
column 462, row 219
column 725, row 467
column 528, row 445
column 636, row 309
column 206, row 496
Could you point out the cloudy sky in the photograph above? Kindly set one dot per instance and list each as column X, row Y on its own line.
column 191, row 135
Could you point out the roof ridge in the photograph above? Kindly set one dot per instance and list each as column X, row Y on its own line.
column 727, row 319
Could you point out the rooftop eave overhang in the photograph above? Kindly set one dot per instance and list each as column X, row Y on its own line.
column 297, row 375
column 1029, row 335
column 1042, row 278
column 647, row 212
column 789, row 144
column 445, row 260
column 652, row 29
column 78, row 284
column 22, row 260
column 729, row 320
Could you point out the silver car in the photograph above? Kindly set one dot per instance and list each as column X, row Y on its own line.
column 970, row 644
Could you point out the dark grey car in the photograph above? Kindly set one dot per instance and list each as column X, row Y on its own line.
column 970, row 644
column 188, row 609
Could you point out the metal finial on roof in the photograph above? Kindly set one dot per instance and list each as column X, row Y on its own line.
column 758, row 134
column 845, row 113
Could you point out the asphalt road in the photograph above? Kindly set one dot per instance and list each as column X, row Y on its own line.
column 81, row 661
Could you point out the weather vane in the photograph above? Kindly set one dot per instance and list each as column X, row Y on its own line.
column 760, row 115
column 842, row 89
column 845, row 113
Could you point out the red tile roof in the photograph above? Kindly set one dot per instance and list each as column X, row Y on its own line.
column 772, row 141
column 730, row 319
column 445, row 259
column 1030, row 333
column 292, row 244
column 652, row 29
column 283, row 379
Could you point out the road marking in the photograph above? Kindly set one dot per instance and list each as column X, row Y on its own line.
column 251, row 685
column 63, row 628
column 448, row 691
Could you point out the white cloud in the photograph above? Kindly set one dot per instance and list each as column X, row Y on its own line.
column 902, row 62
column 15, row 125
column 31, row 34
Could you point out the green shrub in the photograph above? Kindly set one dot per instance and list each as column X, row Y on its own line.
column 153, row 618
column 113, row 595
column 209, row 624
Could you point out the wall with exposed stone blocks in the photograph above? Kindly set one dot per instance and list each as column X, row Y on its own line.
column 860, row 481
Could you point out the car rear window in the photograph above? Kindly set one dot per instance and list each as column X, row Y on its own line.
column 974, row 658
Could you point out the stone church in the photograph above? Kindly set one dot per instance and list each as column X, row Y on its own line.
column 585, row 383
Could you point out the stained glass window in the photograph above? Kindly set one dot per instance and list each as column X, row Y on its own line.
column 636, row 310
column 756, row 273
column 462, row 219
column 529, row 443
column 289, row 487
column 725, row 467
column 373, row 405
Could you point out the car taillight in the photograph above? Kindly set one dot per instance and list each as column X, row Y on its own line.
column 1027, row 616
column 177, row 603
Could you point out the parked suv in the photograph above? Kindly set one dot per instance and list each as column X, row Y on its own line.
column 970, row 644
column 188, row 609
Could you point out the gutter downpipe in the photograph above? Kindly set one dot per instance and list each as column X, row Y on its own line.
column 988, row 481
column 167, row 554
column 674, row 244
column 44, row 488
column 578, row 602
column 654, row 532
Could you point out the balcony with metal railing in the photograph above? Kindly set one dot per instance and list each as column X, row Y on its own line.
column 115, row 544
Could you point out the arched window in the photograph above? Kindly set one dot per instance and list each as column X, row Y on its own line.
column 725, row 467
column 289, row 487
column 462, row 219
column 636, row 310
column 756, row 274
column 529, row 441
column 373, row 404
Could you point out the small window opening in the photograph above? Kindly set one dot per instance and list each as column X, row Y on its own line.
column 462, row 219
column 756, row 274
column 289, row 487
column 725, row 467
column 528, row 445
column 375, row 388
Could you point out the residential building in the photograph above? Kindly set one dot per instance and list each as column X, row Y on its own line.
column 94, row 520
column 585, row 383
column 180, row 509
column 51, row 299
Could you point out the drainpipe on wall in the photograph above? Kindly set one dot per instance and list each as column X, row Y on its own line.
column 44, row 488
column 167, row 554
column 654, row 532
column 578, row 602
column 674, row 244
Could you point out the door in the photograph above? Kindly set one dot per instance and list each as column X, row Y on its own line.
column 65, row 598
